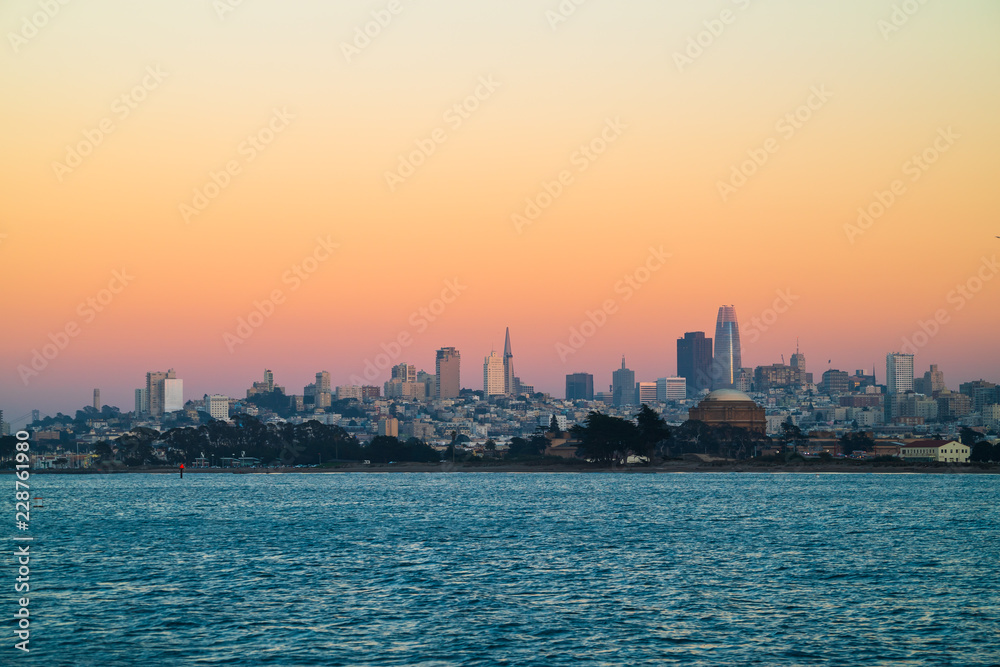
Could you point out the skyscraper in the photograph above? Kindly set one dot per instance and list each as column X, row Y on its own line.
column 623, row 385
column 898, row 373
column 141, row 401
column 269, row 379
column 154, row 391
column 448, row 371
column 694, row 360
column 404, row 373
column 173, row 394
column 493, row 375
column 798, row 364
column 323, row 382
column 580, row 387
column 727, row 360
column 509, row 380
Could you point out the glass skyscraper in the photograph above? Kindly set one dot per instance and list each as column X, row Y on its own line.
column 727, row 360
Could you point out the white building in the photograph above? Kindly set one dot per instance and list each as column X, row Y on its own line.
column 671, row 389
column 493, row 378
column 173, row 395
column 945, row 451
column 217, row 406
column 645, row 392
column 898, row 373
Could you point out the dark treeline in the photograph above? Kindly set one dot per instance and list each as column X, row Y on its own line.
column 310, row 443
column 613, row 440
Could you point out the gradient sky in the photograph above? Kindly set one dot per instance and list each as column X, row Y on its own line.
column 657, row 185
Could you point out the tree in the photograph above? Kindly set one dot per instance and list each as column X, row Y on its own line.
column 554, row 425
column 983, row 452
column 526, row 449
column 790, row 433
column 103, row 451
column 856, row 442
column 654, row 434
column 969, row 436
column 607, row 439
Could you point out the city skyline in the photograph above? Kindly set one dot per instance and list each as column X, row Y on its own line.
column 222, row 209
column 153, row 397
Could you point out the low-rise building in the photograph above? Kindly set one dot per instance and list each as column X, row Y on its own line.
column 944, row 451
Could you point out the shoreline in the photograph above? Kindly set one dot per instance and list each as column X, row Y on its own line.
column 669, row 467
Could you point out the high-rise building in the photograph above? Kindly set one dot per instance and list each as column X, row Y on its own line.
column 898, row 373
column 269, row 379
column 155, row 391
column 97, row 399
column 933, row 381
column 579, row 387
column 981, row 392
column 404, row 373
column 727, row 359
column 798, row 364
column 447, row 365
column 834, row 382
column 510, row 381
column 217, row 406
column 141, row 402
column 493, row 375
column 694, row 360
column 430, row 383
column 645, row 392
column 671, row 389
column 623, row 385
column 173, row 394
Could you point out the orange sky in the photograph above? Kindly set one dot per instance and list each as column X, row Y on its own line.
column 160, row 97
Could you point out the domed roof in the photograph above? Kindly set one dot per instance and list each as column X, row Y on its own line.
column 727, row 395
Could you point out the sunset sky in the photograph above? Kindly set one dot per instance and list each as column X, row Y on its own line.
column 117, row 114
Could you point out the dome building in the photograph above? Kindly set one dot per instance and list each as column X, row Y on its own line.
column 729, row 406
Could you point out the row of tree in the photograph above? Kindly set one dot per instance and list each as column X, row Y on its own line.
column 613, row 440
